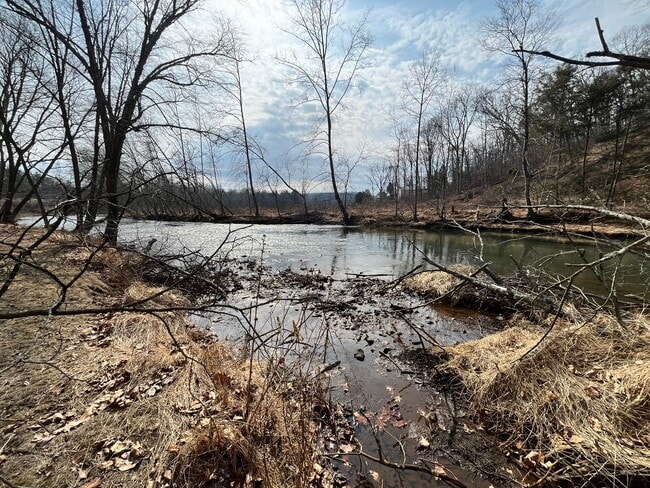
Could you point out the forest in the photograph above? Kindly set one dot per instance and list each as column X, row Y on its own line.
column 70, row 107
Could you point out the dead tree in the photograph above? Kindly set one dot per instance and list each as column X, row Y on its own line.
column 620, row 59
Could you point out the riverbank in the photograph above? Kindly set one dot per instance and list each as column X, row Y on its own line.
column 567, row 393
column 459, row 216
column 116, row 396
column 128, row 398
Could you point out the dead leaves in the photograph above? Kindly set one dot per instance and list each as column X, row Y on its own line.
column 121, row 455
column 388, row 414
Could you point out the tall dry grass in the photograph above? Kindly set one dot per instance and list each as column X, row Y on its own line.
column 577, row 405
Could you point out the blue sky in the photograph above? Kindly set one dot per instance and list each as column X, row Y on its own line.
column 401, row 30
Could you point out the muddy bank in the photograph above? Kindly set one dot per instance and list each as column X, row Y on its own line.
column 379, row 343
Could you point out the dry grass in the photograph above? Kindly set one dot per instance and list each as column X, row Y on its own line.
column 133, row 399
column 437, row 283
column 443, row 287
column 578, row 405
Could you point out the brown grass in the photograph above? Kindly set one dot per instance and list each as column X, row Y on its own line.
column 578, row 405
column 133, row 399
column 444, row 288
column 436, row 283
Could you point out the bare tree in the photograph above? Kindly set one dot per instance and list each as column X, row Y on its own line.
column 419, row 89
column 456, row 118
column 326, row 73
column 519, row 28
column 29, row 146
column 230, row 82
column 131, row 56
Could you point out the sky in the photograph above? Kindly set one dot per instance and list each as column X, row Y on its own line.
column 401, row 30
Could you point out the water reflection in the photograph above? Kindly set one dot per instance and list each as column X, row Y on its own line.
column 340, row 251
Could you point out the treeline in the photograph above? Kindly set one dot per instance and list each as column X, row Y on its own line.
column 110, row 107
column 537, row 128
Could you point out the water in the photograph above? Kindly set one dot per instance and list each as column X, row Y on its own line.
column 339, row 251
column 369, row 321
column 373, row 384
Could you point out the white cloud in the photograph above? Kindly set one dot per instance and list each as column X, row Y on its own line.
column 401, row 30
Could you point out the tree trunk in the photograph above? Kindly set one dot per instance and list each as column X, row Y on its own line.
column 524, row 156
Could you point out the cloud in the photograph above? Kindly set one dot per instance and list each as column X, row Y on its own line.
column 401, row 30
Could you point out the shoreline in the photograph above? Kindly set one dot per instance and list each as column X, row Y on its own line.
column 581, row 225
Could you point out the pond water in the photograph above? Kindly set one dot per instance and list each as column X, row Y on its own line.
column 339, row 251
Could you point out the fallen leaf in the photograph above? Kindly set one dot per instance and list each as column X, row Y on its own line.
column 468, row 429
column 550, row 396
column 596, row 424
column 125, row 464
column 73, row 424
column 576, row 439
column 346, row 448
column 360, row 418
column 438, row 470
column 423, row 442
column 41, row 438
column 118, row 447
column 375, row 475
column 592, row 392
column 93, row 483
column 136, row 450
column 532, row 460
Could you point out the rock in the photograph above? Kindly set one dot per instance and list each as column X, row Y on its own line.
column 360, row 355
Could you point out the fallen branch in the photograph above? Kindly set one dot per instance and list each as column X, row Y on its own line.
column 513, row 293
column 438, row 472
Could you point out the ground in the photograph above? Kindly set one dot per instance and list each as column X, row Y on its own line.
column 133, row 399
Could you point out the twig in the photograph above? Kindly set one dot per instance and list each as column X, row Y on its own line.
column 436, row 473
column 557, row 315
column 401, row 371
column 397, row 281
